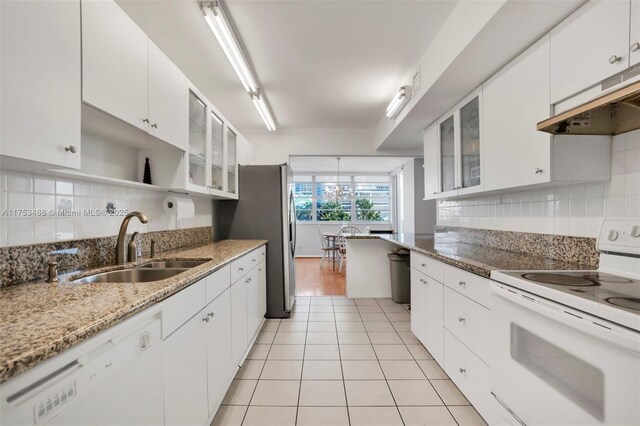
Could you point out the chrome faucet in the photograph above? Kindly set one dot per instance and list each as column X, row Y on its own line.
column 120, row 246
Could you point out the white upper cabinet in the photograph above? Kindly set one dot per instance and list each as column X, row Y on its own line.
column 167, row 99
column 455, row 143
column 515, row 99
column 124, row 74
column 114, row 63
column 589, row 46
column 232, row 161
column 198, row 150
column 40, row 80
column 431, row 163
column 634, row 44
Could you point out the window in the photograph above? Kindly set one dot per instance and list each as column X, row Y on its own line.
column 303, row 198
column 356, row 198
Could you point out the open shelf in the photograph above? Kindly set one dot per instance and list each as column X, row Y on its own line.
column 78, row 174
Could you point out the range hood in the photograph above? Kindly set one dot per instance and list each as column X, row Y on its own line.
column 611, row 114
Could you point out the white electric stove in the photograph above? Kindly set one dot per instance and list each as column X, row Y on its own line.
column 566, row 346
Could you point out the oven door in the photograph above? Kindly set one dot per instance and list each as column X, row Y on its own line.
column 553, row 365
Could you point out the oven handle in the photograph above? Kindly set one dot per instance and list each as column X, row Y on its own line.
column 576, row 319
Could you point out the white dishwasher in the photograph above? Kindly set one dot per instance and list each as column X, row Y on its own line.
column 117, row 380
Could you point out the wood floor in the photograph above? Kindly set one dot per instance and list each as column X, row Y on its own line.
column 313, row 281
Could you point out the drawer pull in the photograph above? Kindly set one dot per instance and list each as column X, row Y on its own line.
column 462, row 370
column 211, row 314
column 253, row 260
column 461, row 319
column 424, row 265
column 462, row 283
column 241, row 269
column 206, row 319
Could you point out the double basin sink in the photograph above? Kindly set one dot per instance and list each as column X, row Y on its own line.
column 153, row 271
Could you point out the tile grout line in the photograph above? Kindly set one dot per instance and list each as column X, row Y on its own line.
column 261, row 370
column 304, row 352
column 383, row 373
column 344, row 384
column 428, row 380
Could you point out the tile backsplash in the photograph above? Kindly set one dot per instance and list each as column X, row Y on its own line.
column 61, row 205
column 575, row 210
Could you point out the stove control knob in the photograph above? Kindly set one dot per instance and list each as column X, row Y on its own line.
column 613, row 235
column 635, row 231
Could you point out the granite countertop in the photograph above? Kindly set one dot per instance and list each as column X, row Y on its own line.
column 480, row 260
column 40, row 320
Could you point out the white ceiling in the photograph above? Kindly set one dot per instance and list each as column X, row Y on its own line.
column 329, row 164
column 322, row 64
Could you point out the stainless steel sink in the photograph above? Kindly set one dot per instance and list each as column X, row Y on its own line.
column 134, row 275
column 173, row 264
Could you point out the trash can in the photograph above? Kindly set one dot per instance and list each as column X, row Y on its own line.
column 400, row 276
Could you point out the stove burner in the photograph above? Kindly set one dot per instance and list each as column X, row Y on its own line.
column 607, row 278
column 560, row 279
column 625, row 302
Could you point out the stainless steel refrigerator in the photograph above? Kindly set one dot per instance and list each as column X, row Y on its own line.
column 265, row 211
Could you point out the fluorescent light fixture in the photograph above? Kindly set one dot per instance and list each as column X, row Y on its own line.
column 220, row 27
column 263, row 110
column 399, row 101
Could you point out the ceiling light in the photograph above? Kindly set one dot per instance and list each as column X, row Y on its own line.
column 214, row 16
column 399, row 101
column 263, row 110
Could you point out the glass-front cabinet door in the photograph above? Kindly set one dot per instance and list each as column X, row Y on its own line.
column 447, row 155
column 197, row 154
column 232, row 161
column 470, row 144
column 217, row 153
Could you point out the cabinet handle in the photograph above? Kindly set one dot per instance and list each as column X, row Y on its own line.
column 155, row 125
column 211, row 314
column 253, row 260
column 435, row 192
column 462, row 283
column 145, row 120
column 424, row 265
column 635, row 47
column 537, row 171
column 259, row 270
column 462, row 370
column 71, row 148
column 461, row 319
column 206, row 319
column 240, row 269
column 613, row 59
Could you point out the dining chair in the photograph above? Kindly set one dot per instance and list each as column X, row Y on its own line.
column 327, row 250
column 342, row 242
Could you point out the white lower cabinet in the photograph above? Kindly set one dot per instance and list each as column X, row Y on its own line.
column 239, row 336
column 185, row 374
column 218, row 343
column 427, row 308
column 470, row 374
column 256, row 299
column 204, row 343
column 452, row 320
column 467, row 320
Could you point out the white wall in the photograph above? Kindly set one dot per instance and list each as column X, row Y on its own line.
column 419, row 215
column 574, row 210
column 33, row 191
column 276, row 147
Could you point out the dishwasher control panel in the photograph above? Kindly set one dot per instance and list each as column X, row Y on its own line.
column 54, row 399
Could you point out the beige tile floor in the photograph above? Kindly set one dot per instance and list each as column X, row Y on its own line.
column 340, row 361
